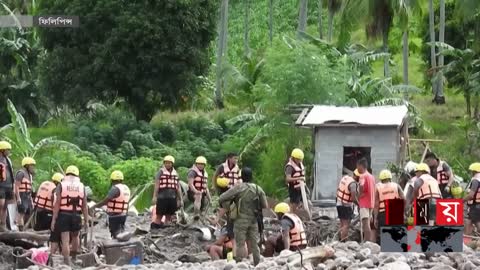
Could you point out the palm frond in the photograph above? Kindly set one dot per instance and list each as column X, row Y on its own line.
column 441, row 45
column 351, row 103
column 5, row 128
column 17, row 22
column 255, row 141
column 405, row 88
column 52, row 141
column 20, row 127
column 143, row 197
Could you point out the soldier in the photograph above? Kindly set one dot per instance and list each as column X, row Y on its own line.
column 249, row 199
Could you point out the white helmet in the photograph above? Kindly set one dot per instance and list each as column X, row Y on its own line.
column 410, row 167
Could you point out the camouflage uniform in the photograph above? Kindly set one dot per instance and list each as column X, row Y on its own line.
column 245, row 225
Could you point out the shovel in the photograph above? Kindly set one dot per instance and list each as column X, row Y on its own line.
column 304, row 199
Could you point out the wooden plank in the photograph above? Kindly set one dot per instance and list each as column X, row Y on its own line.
column 301, row 117
column 425, row 140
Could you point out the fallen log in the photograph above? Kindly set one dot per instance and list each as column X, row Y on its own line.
column 9, row 236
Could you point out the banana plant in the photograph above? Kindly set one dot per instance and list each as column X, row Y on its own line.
column 21, row 140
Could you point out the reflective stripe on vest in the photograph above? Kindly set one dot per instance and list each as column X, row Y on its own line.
column 297, row 232
column 476, row 196
column 43, row 200
column 442, row 176
column 26, row 183
column 429, row 189
column 200, row 180
column 3, row 171
column 343, row 192
column 119, row 205
column 386, row 191
column 298, row 171
column 73, row 192
column 168, row 179
column 231, row 174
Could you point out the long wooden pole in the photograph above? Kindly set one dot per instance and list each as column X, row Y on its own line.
column 304, row 199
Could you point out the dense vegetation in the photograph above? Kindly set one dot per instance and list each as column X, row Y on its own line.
column 143, row 79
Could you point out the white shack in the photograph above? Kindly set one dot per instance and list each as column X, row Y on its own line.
column 342, row 135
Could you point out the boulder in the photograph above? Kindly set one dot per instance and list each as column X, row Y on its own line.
column 395, row 266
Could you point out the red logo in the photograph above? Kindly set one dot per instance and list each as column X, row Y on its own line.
column 449, row 212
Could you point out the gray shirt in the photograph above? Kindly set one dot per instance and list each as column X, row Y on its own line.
column 286, row 224
column 9, row 182
column 113, row 193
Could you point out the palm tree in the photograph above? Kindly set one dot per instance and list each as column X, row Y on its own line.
column 246, row 27
column 302, row 16
column 333, row 8
column 270, row 20
column 320, row 23
column 381, row 14
column 433, row 57
column 439, row 97
column 221, row 52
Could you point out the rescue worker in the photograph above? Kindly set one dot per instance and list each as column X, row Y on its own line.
column 23, row 191
column 222, row 246
column 6, row 183
column 167, row 194
column 384, row 191
column 230, row 170
column 347, row 197
column 117, row 204
column 367, row 198
column 293, row 235
column 70, row 203
column 44, row 202
column 294, row 176
column 426, row 187
column 408, row 189
column 198, row 192
column 472, row 198
column 249, row 200
column 442, row 172
column 55, row 236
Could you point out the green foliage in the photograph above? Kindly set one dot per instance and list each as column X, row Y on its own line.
column 137, row 171
column 149, row 52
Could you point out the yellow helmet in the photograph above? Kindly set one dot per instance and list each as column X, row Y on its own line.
column 422, row 167
column 28, row 161
column 116, row 176
column 201, row 160
column 385, row 174
column 5, row 145
column 282, row 208
column 223, row 182
column 72, row 170
column 169, row 158
column 57, row 177
column 456, row 192
column 474, row 167
column 356, row 173
column 297, row 153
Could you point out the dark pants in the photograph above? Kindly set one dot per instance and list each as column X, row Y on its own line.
column 279, row 246
column 295, row 194
column 6, row 193
column 474, row 213
column 116, row 224
column 345, row 212
column 43, row 220
column 26, row 206
column 166, row 206
column 191, row 198
column 69, row 222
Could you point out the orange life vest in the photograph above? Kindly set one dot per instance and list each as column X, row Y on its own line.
column 298, row 171
column 442, row 176
column 343, row 192
column 168, row 179
column 200, row 180
column 297, row 232
column 73, row 192
column 26, row 183
column 429, row 189
column 386, row 191
column 43, row 200
column 232, row 174
column 476, row 196
column 3, row 172
column 119, row 205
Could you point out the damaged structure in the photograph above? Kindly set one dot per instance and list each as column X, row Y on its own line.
column 343, row 135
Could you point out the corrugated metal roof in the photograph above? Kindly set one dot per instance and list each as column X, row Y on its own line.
column 321, row 115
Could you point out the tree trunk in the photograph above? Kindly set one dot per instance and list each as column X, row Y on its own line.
column 433, row 58
column 475, row 108
column 439, row 95
column 330, row 25
column 270, row 20
column 386, row 66
column 302, row 17
column 405, row 58
column 320, row 25
column 469, row 105
column 246, row 27
column 221, row 52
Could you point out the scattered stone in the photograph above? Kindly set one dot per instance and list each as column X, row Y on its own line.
column 368, row 263
column 321, row 266
column 442, row 267
column 242, row 265
column 468, row 266
column 342, row 262
column 375, row 248
column 395, row 266
column 353, row 245
column 363, row 254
